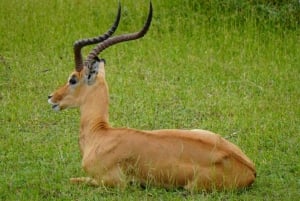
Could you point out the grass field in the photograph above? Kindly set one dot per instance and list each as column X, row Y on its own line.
column 232, row 67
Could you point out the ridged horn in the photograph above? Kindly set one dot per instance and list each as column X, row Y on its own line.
column 118, row 39
column 78, row 45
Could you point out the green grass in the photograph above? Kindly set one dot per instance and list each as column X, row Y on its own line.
column 232, row 67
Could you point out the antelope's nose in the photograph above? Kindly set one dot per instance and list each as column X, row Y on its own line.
column 49, row 96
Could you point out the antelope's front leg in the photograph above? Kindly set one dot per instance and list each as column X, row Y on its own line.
column 85, row 180
column 113, row 178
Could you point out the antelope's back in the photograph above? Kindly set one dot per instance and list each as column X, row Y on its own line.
column 209, row 153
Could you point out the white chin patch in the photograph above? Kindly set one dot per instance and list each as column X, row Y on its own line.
column 55, row 107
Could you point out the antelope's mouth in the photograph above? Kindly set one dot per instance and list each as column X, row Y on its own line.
column 55, row 106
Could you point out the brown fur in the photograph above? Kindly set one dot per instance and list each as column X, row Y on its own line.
column 193, row 159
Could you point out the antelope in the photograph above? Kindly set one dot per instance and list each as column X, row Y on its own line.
column 168, row 158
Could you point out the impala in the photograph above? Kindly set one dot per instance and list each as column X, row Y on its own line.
column 170, row 158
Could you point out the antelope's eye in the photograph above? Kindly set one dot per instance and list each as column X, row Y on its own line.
column 73, row 80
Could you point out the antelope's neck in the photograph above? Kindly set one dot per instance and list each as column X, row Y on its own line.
column 94, row 110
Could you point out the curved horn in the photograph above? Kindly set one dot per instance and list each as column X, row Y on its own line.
column 84, row 42
column 118, row 39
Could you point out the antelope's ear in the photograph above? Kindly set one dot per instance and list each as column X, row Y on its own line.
column 102, row 63
column 92, row 70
